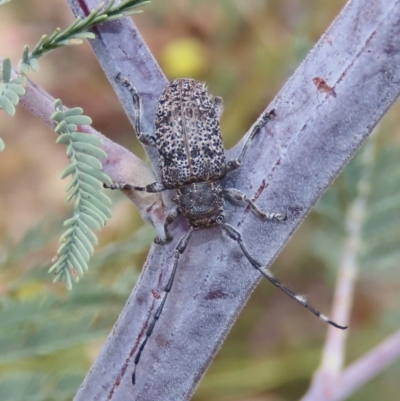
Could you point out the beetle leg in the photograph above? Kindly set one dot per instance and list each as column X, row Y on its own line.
column 235, row 235
column 180, row 248
column 144, row 138
column 154, row 187
column 235, row 195
column 171, row 217
column 265, row 117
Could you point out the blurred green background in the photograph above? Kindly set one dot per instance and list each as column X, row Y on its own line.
column 245, row 50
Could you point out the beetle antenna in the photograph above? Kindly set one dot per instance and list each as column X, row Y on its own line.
column 235, row 235
column 180, row 248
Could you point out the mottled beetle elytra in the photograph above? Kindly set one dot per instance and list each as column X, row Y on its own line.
column 192, row 161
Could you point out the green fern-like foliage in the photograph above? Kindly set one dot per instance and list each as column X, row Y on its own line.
column 46, row 337
column 12, row 89
column 77, row 31
column 92, row 207
column 10, row 92
column 367, row 192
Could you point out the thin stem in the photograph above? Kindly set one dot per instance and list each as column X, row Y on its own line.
column 327, row 377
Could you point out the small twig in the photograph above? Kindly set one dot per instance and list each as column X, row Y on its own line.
column 358, row 373
column 368, row 366
column 327, row 377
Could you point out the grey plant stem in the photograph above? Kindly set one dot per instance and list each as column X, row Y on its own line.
column 129, row 56
column 294, row 159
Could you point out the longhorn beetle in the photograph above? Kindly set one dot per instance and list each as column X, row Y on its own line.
column 192, row 160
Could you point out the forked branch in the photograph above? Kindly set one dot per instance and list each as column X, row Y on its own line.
column 304, row 148
column 292, row 162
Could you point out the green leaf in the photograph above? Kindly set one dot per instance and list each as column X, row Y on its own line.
column 65, row 139
column 109, row 6
column 69, row 170
column 24, row 68
column 72, row 192
column 101, row 218
column 60, row 260
column 88, row 179
column 66, row 234
column 34, row 64
column 70, row 221
column 94, row 173
column 64, row 248
column 80, row 235
column 6, row 70
column 6, row 105
column 128, row 4
column 58, row 104
column 89, row 160
column 88, row 207
column 90, row 221
column 78, row 201
column 86, row 138
column 82, row 249
column 73, row 111
column 58, row 115
column 115, row 16
column 44, row 38
column 2, row 146
column 61, row 127
column 78, row 120
column 19, row 81
column 96, row 202
column 99, row 19
column 52, row 37
column 73, row 263
column 96, row 194
column 83, row 25
column 59, row 276
column 16, row 88
column 14, row 98
column 74, row 25
column 88, row 232
column 73, row 183
column 25, row 53
column 78, row 256
column 67, row 279
column 84, row 35
column 69, row 42
column 72, row 127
